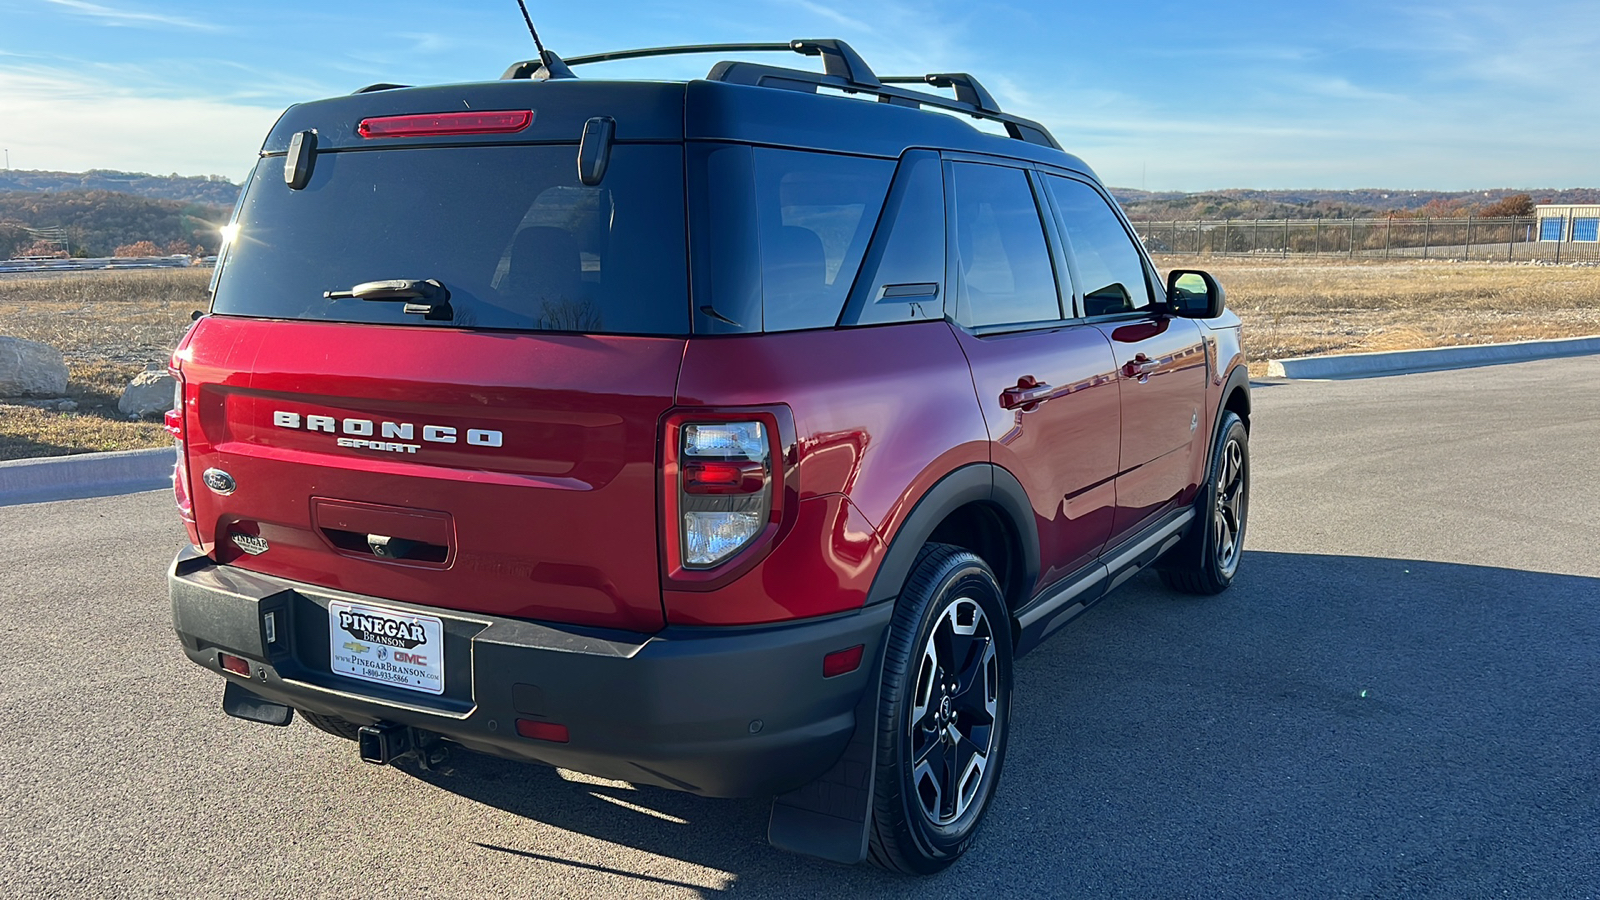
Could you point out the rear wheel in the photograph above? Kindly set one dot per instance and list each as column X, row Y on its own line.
column 1208, row 557
column 943, row 712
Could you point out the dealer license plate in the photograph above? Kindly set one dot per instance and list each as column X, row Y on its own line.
column 374, row 643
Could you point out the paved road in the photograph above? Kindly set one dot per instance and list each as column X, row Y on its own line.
column 1398, row 698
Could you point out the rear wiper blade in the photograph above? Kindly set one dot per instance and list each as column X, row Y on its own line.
column 435, row 297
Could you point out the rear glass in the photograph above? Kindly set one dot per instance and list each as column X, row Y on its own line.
column 518, row 242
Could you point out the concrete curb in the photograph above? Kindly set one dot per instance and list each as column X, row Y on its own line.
column 85, row 475
column 1400, row 362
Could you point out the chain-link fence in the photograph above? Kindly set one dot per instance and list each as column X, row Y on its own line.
column 1469, row 238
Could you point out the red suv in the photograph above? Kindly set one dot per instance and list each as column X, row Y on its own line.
column 732, row 436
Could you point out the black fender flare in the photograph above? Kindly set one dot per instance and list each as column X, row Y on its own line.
column 1238, row 380
column 973, row 483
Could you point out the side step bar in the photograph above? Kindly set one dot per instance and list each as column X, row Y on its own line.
column 1039, row 619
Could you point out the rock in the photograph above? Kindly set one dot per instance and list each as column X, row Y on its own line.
column 149, row 394
column 31, row 369
column 67, row 405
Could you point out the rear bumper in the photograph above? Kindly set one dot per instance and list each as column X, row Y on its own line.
column 722, row 712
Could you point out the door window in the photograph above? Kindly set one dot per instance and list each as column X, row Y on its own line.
column 1006, row 274
column 1109, row 266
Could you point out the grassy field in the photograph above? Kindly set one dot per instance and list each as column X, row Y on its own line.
column 110, row 325
column 1310, row 307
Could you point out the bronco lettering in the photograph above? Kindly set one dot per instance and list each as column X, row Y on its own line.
column 366, row 428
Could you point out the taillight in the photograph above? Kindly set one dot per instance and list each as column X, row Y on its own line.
column 180, row 470
column 725, row 489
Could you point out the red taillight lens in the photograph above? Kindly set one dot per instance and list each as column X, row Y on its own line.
column 504, row 121
column 542, row 731
column 174, row 423
column 234, row 664
column 724, row 477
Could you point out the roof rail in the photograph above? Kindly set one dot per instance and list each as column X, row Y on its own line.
column 843, row 69
column 968, row 90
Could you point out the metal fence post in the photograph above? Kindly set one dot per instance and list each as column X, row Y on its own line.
column 1316, row 237
column 1255, row 237
column 1285, row 238
column 1427, row 236
column 1469, row 236
column 1388, row 226
column 1352, row 245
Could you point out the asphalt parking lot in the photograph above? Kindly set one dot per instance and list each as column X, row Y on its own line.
column 1399, row 697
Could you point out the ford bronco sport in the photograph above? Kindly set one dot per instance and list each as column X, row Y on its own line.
column 733, row 436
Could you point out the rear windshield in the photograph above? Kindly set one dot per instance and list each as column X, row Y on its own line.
column 510, row 232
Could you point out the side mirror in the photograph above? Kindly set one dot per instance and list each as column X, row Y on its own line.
column 1193, row 294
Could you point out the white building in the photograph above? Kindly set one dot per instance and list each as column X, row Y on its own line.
column 1567, row 222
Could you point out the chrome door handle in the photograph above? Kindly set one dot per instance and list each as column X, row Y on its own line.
column 1139, row 367
column 1028, row 394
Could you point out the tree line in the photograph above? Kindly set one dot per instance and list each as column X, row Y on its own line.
column 107, row 223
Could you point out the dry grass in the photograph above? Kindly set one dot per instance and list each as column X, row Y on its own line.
column 1305, row 307
column 109, row 326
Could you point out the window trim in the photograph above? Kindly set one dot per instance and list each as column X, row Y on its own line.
column 954, row 284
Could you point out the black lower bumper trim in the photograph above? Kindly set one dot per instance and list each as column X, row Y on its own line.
column 724, row 712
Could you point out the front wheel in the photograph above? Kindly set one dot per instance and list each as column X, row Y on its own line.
column 943, row 712
column 1208, row 557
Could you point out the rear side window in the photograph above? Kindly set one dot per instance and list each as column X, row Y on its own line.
column 1006, row 274
column 519, row 243
column 904, row 271
column 815, row 213
column 1108, row 265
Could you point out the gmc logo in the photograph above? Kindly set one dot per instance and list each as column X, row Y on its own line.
column 415, row 659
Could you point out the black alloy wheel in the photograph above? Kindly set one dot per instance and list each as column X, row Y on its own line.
column 944, row 708
column 1207, row 559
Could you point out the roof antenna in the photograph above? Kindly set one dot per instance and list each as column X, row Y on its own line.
column 553, row 66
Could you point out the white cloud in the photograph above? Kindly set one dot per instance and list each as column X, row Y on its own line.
column 52, row 119
column 112, row 16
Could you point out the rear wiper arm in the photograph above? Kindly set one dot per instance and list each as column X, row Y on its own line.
column 435, row 297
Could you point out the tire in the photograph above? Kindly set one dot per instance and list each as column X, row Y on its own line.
column 1207, row 559
column 933, row 783
column 333, row 725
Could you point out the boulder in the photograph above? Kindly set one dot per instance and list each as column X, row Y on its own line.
column 29, row 369
column 148, row 394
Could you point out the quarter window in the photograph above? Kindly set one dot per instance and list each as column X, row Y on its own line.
column 1006, row 274
column 816, row 212
column 1109, row 266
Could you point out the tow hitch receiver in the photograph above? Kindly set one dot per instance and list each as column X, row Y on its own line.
column 385, row 742
column 389, row 742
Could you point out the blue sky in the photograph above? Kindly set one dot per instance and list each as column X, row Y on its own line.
column 1164, row 95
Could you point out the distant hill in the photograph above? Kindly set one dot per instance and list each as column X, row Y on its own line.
column 1315, row 204
column 99, row 221
column 212, row 190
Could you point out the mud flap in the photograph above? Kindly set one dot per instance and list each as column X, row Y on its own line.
column 242, row 704
column 828, row 818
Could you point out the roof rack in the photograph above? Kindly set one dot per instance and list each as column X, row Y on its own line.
column 843, row 69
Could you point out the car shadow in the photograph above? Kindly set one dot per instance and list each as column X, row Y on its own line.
column 1329, row 725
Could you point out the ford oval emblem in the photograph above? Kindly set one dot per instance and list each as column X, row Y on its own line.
column 219, row 481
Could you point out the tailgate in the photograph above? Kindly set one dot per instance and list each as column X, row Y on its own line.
column 512, row 474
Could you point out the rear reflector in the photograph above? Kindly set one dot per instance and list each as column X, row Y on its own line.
column 542, row 731
column 235, row 665
column 840, row 662
column 504, row 121
column 174, row 422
